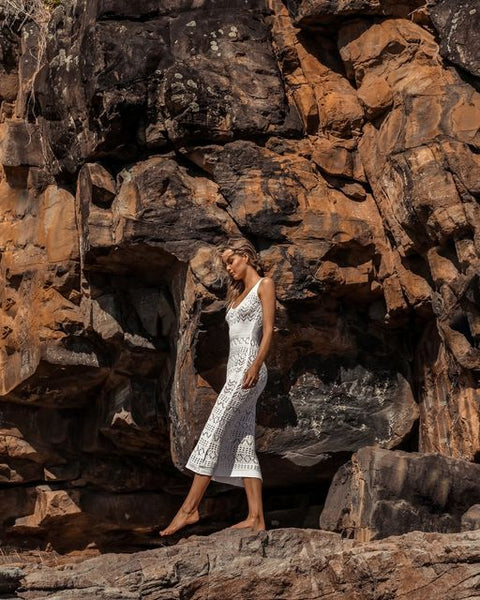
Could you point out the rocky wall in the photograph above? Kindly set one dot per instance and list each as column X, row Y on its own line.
column 340, row 138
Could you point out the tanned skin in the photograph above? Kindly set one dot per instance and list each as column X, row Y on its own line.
column 239, row 268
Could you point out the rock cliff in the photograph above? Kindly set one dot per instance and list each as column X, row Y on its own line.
column 343, row 139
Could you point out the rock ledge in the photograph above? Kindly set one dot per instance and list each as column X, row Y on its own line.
column 283, row 563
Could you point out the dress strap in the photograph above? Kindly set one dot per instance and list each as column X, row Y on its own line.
column 253, row 288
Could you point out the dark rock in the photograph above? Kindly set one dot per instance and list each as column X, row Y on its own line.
column 381, row 493
column 458, row 24
column 9, row 54
column 157, row 75
column 310, row 12
column 10, row 579
column 20, row 144
column 221, row 56
column 332, row 409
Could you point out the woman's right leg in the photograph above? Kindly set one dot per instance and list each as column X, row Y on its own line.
column 255, row 519
column 188, row 512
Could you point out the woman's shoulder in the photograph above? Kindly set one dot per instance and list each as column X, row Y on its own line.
column 267, row 284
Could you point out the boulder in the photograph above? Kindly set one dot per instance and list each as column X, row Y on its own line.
column 381, row 493
column 10, row 579
column 471, row 519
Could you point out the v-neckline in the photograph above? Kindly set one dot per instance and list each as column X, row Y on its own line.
column 246, row 295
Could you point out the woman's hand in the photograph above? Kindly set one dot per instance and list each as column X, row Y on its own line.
column 250, row 379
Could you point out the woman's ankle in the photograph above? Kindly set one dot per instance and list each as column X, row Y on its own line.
column 254, row 517
column 188, row 509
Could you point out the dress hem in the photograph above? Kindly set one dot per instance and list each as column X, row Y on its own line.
column 234, row 478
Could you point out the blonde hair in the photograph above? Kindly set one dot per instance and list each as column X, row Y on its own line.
column 244, row 248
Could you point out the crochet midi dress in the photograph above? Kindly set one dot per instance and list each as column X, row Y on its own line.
column 226, row 447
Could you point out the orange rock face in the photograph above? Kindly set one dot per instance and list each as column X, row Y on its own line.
column 332, row 135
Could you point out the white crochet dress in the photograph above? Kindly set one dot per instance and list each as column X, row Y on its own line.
column 226, row 447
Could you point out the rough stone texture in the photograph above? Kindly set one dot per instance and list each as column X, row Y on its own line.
column 148, row 133
column 431, row 211
column 381, row 493
column 310, row 12
column 162, row 74
column 9, row 55
column 283, row 564
column 322, row 406
column 449, row 416
column 471, row 519
column 457, row 23
column 325, row 100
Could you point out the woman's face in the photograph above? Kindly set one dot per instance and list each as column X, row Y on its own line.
column 235, row 264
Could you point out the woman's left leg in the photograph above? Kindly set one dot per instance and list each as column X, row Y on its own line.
column 255, row 519
column 188, row 512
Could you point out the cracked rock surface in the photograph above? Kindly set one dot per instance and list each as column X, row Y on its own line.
column 285, row 563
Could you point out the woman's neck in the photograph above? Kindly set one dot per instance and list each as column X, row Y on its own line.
column 250, row 279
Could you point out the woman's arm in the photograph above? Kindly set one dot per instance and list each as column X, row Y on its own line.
column 266, row 293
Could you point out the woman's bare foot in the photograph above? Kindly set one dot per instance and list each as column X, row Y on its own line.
column 181, row 519
column 254, row 523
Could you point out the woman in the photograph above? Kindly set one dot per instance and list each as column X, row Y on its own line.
column 226, row 448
